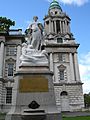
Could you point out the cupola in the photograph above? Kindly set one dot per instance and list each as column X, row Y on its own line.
column 54, row 4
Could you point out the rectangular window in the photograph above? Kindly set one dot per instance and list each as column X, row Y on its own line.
column 11, row 50
column 58, row 26
column 10, row 69
column 8, row 95
column 61, row 57
column 53, row 26
column 62, row 75
column 59, row 40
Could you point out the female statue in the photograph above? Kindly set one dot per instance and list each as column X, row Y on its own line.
column 31, row 51
column 35, row 33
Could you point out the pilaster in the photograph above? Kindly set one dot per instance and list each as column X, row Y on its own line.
column 2, row 40
column 55, row 26
column 69, row 28
column 51, row 62
column 77, row 74
column 60, row 27
column 50, row 25
column 63, row 27
column 66, row 27
column 71, row 67
column 18, row 56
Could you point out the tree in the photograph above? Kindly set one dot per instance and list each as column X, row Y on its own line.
column 87, row 100
column 5, row 24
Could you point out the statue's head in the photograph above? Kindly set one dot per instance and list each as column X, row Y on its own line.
column 35, row 18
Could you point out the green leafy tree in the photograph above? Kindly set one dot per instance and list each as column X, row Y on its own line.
column 5, row 24
column 87, row 100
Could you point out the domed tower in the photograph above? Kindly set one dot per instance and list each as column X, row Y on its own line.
column 56, row 22
column 62, row 49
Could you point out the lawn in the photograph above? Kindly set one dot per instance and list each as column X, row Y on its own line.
column 2, row 116
column 77, row 118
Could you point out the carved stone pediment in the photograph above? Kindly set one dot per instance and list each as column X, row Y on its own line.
column 61, row 67
column 10, row 60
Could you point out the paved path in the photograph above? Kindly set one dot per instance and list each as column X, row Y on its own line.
column 73, row 114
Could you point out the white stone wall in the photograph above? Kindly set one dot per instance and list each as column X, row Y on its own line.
column 70, row 84
column 75, row 96
column 65, row 63
column 8, row 82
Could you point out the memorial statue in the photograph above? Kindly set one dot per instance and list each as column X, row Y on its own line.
column 34, row 32
column 31, row 50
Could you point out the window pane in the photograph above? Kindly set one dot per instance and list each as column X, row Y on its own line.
column 8, row 95
column 62, row 75
column 10, row 69
column 58, row 25
column 59, row 40
column 64, row 93
column 60, row 56
column 11, row 50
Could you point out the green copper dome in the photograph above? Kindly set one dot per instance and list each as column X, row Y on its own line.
column 54, row 4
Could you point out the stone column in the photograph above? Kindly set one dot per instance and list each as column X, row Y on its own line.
column 63, row 27
column 66, row 27
column 77, row 74
column 51, row 62
column 51, row 65
column 60, row 27
column 71, row 67
column 55, row 27
column 49, row 26
column 1, row 68
column 1, row 58
column 52, row 26
column 18, row 57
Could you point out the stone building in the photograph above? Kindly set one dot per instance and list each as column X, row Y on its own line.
column 62, row 51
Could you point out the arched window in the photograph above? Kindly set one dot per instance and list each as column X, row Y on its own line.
column 59, row 40
column 10, row 68
column 64, row 101
column 63, row 93
column 56, row 12
column 62, row 72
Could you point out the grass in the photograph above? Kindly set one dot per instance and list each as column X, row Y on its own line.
column 77, row 118
column 2, row 116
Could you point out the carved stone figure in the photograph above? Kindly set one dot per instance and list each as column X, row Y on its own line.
column 31, row 51
column 34, row 32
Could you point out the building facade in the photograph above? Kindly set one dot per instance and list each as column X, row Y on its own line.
column 62, row 51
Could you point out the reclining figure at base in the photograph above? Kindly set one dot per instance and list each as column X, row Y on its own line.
column 31, row 50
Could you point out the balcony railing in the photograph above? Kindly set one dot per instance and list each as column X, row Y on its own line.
column 11, row 32
column 15, row 32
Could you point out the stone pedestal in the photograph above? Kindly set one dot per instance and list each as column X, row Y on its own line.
column 33, row 95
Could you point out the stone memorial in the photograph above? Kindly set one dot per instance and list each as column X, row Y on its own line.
column 33, row 91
